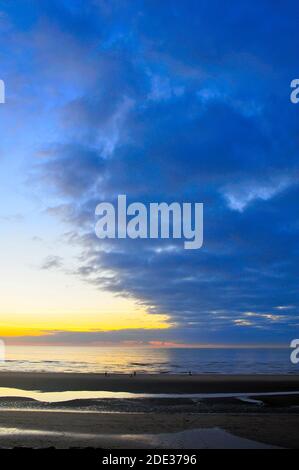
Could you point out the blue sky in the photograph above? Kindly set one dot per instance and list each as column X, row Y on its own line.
column 162, row 101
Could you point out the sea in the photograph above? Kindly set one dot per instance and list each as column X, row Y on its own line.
column 126, row 360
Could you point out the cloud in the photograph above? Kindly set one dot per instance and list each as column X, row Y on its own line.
column 52, row 262
column 240, row 196
column 241, row 322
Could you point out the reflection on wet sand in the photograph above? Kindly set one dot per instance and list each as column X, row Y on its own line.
column 58, row 397
column 213, row 438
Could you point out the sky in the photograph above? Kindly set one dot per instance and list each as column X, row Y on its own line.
column 160, row 101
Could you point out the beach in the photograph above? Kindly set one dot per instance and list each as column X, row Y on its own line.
column 150, row 383
column 148, row 410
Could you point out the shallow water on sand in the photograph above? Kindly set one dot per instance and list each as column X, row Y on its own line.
column 57, row 397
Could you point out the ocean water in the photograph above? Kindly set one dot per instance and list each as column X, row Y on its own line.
column 148, row 360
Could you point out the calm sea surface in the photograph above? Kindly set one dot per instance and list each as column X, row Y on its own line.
column 146, row 360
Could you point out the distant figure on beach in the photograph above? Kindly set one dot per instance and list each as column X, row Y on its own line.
column 190, row 373
column 134, row 373
column 106, row 374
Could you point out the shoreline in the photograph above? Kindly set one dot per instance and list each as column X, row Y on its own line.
column 149, row 383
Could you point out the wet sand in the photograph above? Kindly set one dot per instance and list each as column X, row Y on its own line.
column 207, row 438
column 126, row 430
column 147, row 383
column 153, row 422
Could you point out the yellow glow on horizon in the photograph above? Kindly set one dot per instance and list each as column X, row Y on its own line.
column 82, row 321
column 34, row 303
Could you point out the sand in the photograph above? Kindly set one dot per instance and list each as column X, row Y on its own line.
column 147, row 383
column 124, row 430
column 155, row 423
